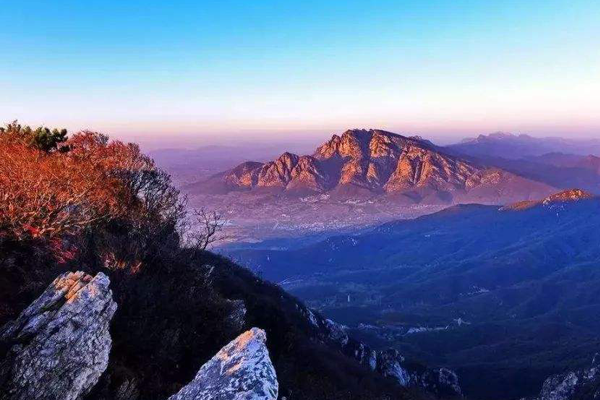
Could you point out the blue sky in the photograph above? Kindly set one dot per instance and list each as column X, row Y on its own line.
column 210, row 71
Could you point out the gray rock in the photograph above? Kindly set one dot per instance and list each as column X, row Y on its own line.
column 242, row 370
column 389, row 363
column 59, row 346
column 441, row 381
column 582, row 384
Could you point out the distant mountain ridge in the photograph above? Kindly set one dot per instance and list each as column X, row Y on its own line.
column 372, row 162
column 589, row 162
column 515, row 146
column 558, row 162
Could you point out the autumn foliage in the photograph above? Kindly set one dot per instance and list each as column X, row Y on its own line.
column 52, row 191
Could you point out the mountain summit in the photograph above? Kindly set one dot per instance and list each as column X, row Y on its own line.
column 371, row 162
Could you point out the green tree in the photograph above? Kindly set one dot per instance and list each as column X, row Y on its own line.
column 42, row 138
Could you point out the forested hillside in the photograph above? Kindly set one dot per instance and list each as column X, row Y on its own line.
column 86, row 203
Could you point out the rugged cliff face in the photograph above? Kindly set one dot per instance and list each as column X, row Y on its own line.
column 241, row 370
column 59, row 346
column 383, row 162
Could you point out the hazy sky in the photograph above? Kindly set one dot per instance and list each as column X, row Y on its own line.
column 214, row 70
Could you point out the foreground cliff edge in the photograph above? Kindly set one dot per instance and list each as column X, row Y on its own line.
column 58, row 348
column 59, row 345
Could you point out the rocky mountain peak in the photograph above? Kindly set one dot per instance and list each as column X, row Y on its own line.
column 376, row 161
column 244, row 175
column 353, row 144
column 59, row 346
column 289, row 160
column 276, row 173
column 499, row 135
column 493, row 137
column 240, row 370
column 360, row 144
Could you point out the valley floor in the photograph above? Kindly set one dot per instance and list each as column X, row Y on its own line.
column 264, row 216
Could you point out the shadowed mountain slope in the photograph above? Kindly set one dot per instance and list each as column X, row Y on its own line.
column 506, row 296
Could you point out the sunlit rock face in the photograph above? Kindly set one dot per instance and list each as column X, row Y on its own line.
column 383, row 162
column 423, row 168
column 59, row 346
column 242, row 370
column 290, row 172
column 244, row 175
column 568, row 196
column 279, row 172
column 556, row 199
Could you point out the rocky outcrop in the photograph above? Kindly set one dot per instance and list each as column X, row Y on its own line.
column 379, row 162
column 390, row 363
column 291, row 172
column 242, row 370
column 278, row 173
column 244, row 175
column 583, row 384
column 420, row 167
column 440, row 381
column 59, row 346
